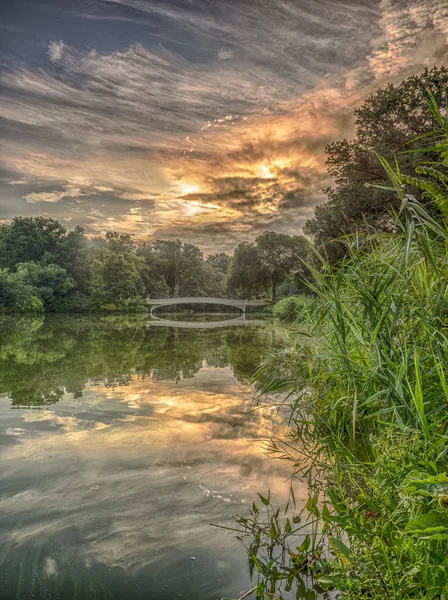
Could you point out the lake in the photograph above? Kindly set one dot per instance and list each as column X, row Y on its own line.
column 121, row 440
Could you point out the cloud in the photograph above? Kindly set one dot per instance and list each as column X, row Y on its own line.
column 55, row 50
column 45, row 196
column 224, row 54
column 225, row 133
column 411, row 32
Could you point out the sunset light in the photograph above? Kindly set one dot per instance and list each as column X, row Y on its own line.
column 224, row 300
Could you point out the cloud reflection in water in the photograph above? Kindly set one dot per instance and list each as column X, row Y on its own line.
column 113, row 490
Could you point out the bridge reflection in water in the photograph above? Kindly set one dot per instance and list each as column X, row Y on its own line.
column 236, row 321
column 241, row 304
column 240, row 320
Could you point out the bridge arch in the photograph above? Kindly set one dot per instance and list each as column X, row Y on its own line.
column 241, row 304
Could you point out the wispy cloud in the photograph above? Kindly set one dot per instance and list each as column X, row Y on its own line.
column 225, row 134
column 55, row 50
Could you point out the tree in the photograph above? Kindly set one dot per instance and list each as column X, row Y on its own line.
column 119, row 242
column 16, row 295
column 48, row 282
column 75, row 260
column 216, row 270
column 219, row 262
column 385, row 123
column 247, row 278
column 29, row 239
column 280, row 255
column 181, row 265
column 116, row 272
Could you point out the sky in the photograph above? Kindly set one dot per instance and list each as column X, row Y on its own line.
column 202, row 120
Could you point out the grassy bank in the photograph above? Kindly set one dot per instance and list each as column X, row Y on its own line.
column 367, row 384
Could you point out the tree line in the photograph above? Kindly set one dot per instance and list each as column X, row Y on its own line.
column 43, row 266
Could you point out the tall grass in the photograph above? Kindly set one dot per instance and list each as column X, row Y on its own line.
column 369, row 414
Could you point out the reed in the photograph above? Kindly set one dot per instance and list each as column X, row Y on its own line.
column 367, row 384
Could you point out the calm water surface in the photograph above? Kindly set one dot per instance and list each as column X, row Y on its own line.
column 120, row 442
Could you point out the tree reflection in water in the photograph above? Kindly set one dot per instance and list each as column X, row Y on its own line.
column 41, row 360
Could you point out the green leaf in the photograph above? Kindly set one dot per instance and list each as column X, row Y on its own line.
column 430, row 524
column 334, row 580
column 342, row 551
column 304, row 546
column 264, row 499
column 311, row 505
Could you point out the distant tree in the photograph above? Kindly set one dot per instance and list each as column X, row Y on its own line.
column 216, row 272
column 16, row 295
column 75, row 260
column 219, row 262
column 280, row 255
column 389, row 119
column 48, row 281
column 119, row 242
column 46, row 241
column 181, row 265
column 116, row 271
column 247, row 277
column 30, row 239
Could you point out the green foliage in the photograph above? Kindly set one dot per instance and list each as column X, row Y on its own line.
column 29, row 239
column 216, row 270
column 16, row 295
column 292, row 308
column 180, row 265
column 48, row 281
column 127, row 305
column 247, row 279
column 32, row 287
column 267, row 263
column 369, row 399
column 116, row 272
column 69, row 273
column 385, row 123
column 45, row 267
column 433, row 180
column 278, row 564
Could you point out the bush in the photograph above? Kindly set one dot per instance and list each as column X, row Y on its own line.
column 128, row 305
column 293, row 307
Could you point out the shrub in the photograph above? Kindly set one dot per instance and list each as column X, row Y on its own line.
column 292, row 308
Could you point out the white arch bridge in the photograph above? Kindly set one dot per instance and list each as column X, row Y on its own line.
column 241, row 304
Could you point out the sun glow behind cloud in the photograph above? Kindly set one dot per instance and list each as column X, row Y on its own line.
column 212, row 140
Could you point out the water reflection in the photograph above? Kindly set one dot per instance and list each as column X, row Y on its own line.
column 41, row 360
column 107, row 490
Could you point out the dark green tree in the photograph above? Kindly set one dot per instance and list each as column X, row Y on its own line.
column 181, row 265
column 117, row 273
column 247, row 277
column 216, row 272
column 385, row 123
column 280, row 256
column 17, row 295
column 30, row 239
column 49, row 282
